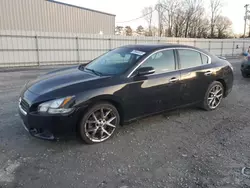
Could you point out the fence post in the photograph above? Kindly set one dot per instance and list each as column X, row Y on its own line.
column 233, row 48
column 178, row 41
column 221, row 50
column 77, row 50
column 194, row 43
column 110, row 45
column 135, row 41
column 37, row 51
column 209, row 45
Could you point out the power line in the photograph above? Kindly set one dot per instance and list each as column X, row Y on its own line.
column 137, row 18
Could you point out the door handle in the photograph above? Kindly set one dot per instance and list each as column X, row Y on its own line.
column 174, row 79
column 208, row 73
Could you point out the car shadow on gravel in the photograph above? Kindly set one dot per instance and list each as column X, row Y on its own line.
column 143, row 124
column 135, row 125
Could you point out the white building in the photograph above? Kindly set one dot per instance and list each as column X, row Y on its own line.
column 53, row 16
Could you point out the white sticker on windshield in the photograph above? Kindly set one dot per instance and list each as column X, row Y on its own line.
column 137, row 52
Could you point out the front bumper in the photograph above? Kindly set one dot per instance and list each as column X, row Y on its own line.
column 47, row 126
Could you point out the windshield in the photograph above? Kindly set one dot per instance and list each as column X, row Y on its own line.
column 115, row 62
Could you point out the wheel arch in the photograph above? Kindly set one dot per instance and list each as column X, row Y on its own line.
column 115, row 101
column 222, row 81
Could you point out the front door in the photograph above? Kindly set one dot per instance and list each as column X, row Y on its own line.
column 158, row 91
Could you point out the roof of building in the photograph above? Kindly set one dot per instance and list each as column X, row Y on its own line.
column 75, row 6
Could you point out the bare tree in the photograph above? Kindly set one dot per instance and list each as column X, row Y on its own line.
column 199, row 25
column 188, row 18
column 178, row 23
column 118, row 30
column 192, row 7
column 215, row 8
column 128, row 31
column 223, row 26
column 202, row 28
column 154, row 31
column 140, row 30
column 147, row 12
column 171, row 9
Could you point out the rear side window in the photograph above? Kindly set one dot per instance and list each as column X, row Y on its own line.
column 189, row 58
column 204, row 59
column 162, row 61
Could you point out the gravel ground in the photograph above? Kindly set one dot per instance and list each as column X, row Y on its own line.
column 182, row 148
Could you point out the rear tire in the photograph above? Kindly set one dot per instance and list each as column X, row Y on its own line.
column 99, row 123
column 213, row 96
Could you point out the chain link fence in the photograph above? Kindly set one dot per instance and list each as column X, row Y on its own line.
column 40, row 48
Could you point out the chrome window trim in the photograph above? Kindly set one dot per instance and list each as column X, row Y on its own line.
column 165, row 49
column 209, row 58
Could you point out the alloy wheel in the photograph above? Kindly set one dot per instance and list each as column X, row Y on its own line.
column 215, row 96
column 100, row 124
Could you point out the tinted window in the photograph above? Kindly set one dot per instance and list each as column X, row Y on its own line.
column 204, row 59
column 189, row 58
column 116, row 61
column 162, row 61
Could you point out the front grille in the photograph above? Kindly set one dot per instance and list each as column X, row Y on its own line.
column 24, row 105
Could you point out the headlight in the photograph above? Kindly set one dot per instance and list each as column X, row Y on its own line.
column 58, row 106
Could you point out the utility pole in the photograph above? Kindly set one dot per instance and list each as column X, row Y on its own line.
column 245, row 18
column 249, row 30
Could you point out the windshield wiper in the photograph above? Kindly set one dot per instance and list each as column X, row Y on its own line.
column 95, row 72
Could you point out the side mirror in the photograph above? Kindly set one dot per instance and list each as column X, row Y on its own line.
column 145, row 71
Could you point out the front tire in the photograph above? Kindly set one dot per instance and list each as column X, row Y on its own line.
column 213, row 96
column 99, row 123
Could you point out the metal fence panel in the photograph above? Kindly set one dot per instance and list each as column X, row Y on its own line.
column 18, row 56
column 23, row 48
column 202, row 44
column 8, row 42
column 57, row 43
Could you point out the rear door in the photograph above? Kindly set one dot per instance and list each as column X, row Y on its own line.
column 158, row 91
column 196, row 74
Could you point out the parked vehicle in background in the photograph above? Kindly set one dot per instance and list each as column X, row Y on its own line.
column 245, row 67
column 122, row 85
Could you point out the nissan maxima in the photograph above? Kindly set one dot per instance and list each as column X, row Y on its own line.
column 122, row 85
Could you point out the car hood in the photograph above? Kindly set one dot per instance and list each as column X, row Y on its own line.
column 59, row 79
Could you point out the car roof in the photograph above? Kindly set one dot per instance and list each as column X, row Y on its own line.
column 154, row 47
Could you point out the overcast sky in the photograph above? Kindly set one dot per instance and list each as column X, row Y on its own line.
column 130, row 9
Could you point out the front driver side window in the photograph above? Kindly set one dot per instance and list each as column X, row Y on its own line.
column 162, row 61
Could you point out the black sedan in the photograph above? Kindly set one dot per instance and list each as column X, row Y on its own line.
column 245, row 67
column 122, row 85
